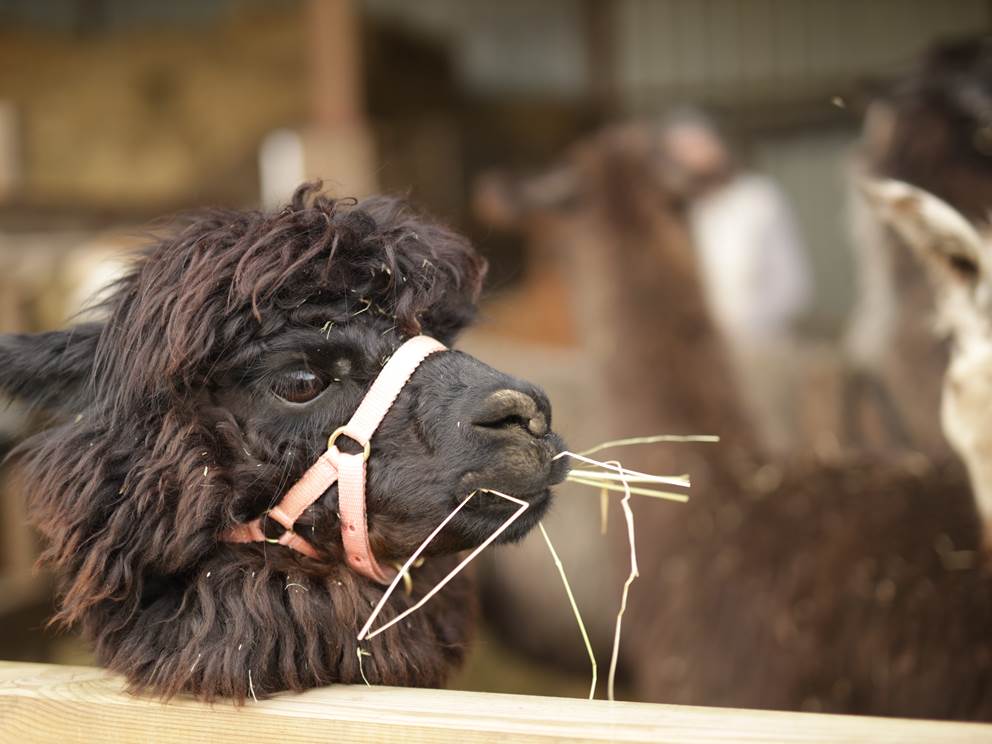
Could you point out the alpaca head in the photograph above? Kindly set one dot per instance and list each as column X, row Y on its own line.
column 957, row 255
column 932, row 127
column 230, row 352
column 613, row 187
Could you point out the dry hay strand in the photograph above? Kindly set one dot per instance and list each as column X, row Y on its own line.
column 629, row 517
column 653, row 439
column 608, row 476
column 575, row 610
column 606, row 479
column 366, row 633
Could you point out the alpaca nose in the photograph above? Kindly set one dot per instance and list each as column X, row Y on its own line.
column 507, row 409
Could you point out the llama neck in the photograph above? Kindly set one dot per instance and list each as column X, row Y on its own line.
column 980, row 477
column 645, row 317
column 964, row 404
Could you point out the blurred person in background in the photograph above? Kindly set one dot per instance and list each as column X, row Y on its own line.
column 753, row 263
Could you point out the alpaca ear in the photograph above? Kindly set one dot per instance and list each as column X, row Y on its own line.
column 942, row 237
column 49, row 370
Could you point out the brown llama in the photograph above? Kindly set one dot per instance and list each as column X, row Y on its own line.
column 544, row 208
column 933, row 126
column 851, row 586
column 231, row 350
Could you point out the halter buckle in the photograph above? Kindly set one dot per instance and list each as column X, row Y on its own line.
column 343, row 430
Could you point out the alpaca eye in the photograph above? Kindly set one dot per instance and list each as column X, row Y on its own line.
column 982, row 139
column 963, row 267
column 298, row 386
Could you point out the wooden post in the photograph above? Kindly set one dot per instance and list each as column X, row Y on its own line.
column 338, row 145
column 10, row 150
column 57, row 704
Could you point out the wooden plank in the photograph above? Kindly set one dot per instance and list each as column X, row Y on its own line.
column 44, row 703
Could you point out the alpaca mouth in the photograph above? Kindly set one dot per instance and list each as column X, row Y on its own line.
column 529, row 478
column 539, row 502
column 490, row 501
column 490, row 510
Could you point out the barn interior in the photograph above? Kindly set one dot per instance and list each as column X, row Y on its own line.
column 116, row 112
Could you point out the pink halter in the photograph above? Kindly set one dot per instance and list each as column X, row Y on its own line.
column 347, row 470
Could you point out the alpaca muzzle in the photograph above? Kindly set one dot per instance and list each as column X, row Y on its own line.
column 347, row 470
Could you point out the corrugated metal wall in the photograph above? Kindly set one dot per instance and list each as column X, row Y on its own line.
column 740, row 49
column 516, row 47
column 719, row 49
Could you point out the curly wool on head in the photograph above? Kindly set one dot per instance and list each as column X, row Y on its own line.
column 218, row 283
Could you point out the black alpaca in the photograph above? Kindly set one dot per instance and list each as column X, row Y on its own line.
column 231, row 350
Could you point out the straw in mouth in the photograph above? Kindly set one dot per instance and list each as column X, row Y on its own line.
column 607, row 476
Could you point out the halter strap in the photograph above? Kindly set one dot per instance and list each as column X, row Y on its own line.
column 349, row 471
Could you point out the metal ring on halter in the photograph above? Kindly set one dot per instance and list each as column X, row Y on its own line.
column 366, row 446
column 262, row 521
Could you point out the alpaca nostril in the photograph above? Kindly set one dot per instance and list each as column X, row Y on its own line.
column 507, row 408
column 538, row 425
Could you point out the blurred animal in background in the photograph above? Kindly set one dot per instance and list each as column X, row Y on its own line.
column 755, row 272
column 546, row 209
column 956, row 256
column 533, row 327
column 231, row 349
column 932, row 128
column 753, row 265
column 854, row 584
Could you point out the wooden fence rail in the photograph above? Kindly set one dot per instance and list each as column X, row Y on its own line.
column 64, row 705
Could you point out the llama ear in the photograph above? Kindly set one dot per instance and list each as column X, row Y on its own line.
column 503, row 202
column 494, row 201
column 49, row 370
column 940, row 235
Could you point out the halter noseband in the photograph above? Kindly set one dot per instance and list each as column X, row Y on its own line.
column 345, row 469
